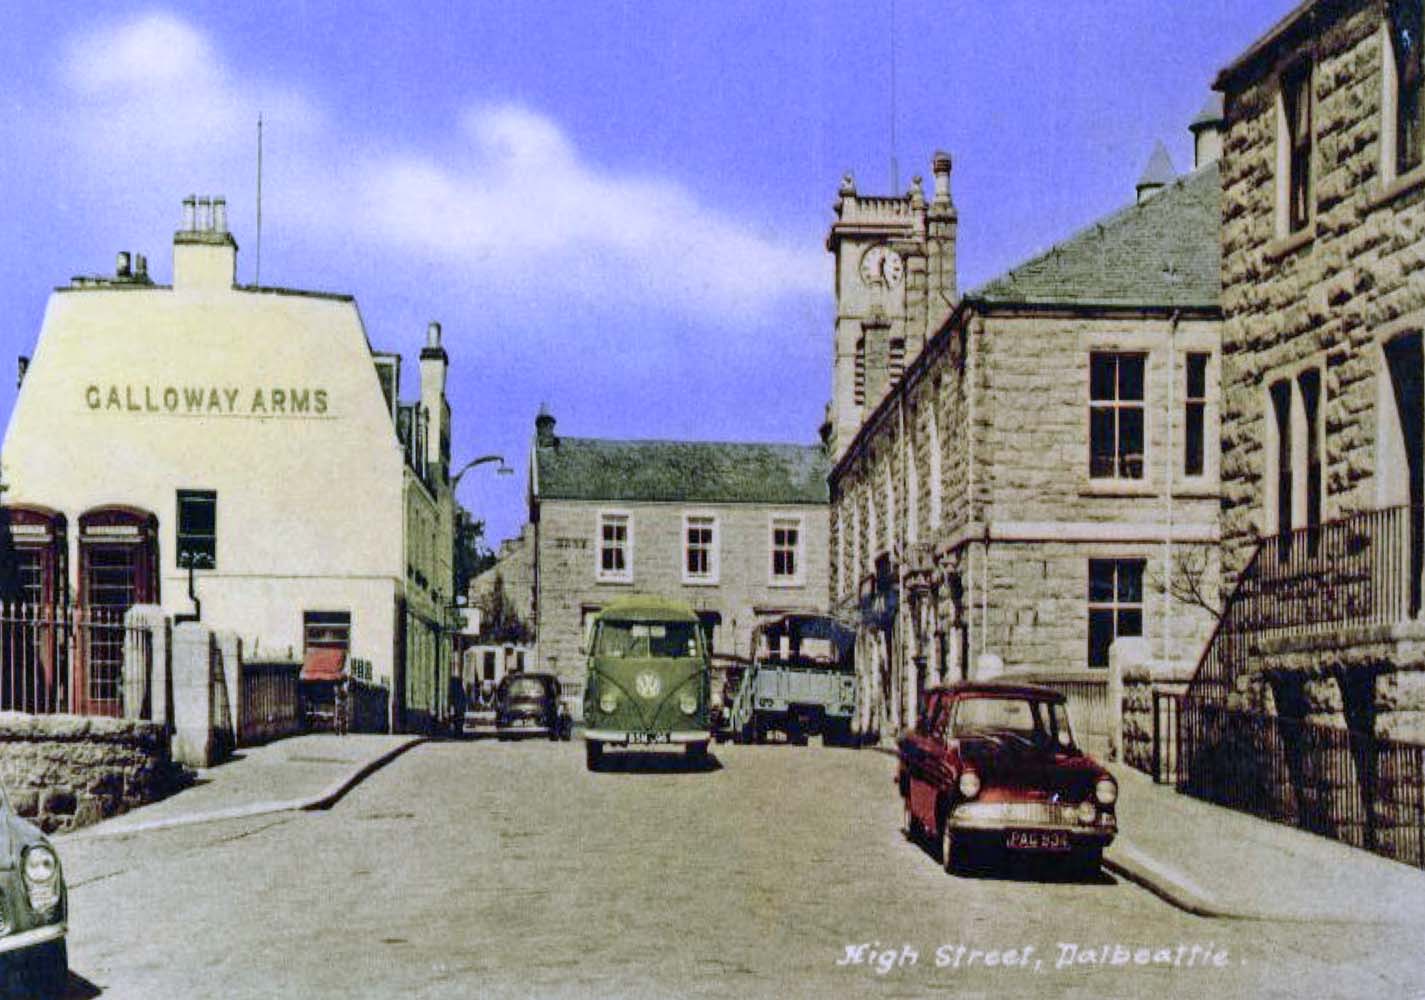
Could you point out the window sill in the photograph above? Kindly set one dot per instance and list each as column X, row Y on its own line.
column 619, row 580
column 702, row 581
column 1118, row 488
column 1285, row 245
column 1197, row 493
column 1398, row 187
column 786, row 584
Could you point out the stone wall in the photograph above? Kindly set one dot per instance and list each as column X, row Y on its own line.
column 1327, row 297
column 66, row 771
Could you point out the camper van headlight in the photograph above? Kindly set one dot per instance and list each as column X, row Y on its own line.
column 608, row 701
column 688, row 703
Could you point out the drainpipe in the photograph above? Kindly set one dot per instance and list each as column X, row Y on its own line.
column 1168, row 466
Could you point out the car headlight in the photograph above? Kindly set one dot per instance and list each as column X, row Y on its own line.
column 688, row 703
column 41, row 865
column 608, row 701
column 1087, row 812
column 41, row 874
column 1106, row 791
column 969, row 784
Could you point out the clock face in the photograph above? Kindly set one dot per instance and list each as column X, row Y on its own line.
column 882, row 266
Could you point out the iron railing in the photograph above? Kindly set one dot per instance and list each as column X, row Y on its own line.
column 1363, row 569
column 269, row 705
column 87, row 661
column 1351, row 786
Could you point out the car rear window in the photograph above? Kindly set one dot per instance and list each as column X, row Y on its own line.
column 526, row 688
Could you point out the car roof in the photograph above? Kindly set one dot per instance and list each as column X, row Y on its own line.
column 647, row 607
column 973, row 689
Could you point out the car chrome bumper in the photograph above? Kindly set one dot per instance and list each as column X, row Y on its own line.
column 31, row 938
column 517, row 729
column 1003, row 817
column 625, row 737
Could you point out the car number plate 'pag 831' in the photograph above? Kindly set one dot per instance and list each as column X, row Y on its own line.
column 648, row 738
column 1037, row 840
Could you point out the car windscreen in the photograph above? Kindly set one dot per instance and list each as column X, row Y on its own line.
column 643, row 640
column 1029, row 719
column 525, row 687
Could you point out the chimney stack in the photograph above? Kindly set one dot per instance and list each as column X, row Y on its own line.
column 204, row 252
column 121, row 264
column 435, row 364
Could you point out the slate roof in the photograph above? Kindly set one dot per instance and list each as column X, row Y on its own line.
column 681, row 471
column 1165, row 252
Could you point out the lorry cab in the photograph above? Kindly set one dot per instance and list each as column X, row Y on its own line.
column 648, row 679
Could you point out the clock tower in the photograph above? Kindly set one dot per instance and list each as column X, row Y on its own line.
column 895, row 285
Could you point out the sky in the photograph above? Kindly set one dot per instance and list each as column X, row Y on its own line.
column 616, row 210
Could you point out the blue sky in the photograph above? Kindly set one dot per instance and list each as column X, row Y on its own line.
column 617, row 209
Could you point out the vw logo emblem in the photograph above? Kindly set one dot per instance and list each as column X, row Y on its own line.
column 647, row 685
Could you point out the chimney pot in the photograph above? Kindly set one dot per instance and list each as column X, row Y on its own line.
column 940, row 167
column 433, row 335
column 205, row 214
column 121, row 264
column 190, row 222
column 140, row 266
column 220, row 214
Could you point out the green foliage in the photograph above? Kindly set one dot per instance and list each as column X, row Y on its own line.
column 472, row 556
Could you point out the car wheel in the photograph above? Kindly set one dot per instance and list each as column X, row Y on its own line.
column 593, row 754
column 951, row 851
column 47, row 969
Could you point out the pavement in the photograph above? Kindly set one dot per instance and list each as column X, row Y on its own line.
column 1216, row 862
column 302, row 772
column 1201, row 858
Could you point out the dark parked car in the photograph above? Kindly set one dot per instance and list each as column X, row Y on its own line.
column 33, row 910
column 993, row 769
column 530, row 705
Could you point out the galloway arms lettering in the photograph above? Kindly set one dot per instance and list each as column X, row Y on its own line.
column 207, row 400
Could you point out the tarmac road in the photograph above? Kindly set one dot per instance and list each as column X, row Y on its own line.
column 506, row 870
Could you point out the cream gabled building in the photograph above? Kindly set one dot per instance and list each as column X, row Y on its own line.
column 250, row 431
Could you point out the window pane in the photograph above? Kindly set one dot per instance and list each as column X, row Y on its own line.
column 1130, row 376
column 1102, row 375
column 1193, row 443
column 1100, row 581
column 1101, row 442
column 1130, row 622
column 1100, row 637
column 1130, row 442
column 1130, row 581
column 1197, row 375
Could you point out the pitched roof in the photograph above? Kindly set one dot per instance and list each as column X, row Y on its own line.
column 684, row 471
column 1163, row 252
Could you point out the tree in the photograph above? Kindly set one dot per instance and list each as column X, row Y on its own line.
column 472, row 555
column 499, row 619
column 1194, row 581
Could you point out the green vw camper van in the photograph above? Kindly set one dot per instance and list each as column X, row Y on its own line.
column 648, row 682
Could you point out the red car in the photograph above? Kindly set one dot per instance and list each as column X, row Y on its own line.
column 992, row 767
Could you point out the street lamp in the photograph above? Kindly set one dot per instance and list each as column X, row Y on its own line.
column 503, row 470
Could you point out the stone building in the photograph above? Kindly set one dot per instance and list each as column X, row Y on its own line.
column 739, row 531
column 1323, row 432
column 245, row 442
column 1042, row 479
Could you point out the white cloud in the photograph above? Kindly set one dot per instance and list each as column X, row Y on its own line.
column 514, row 207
